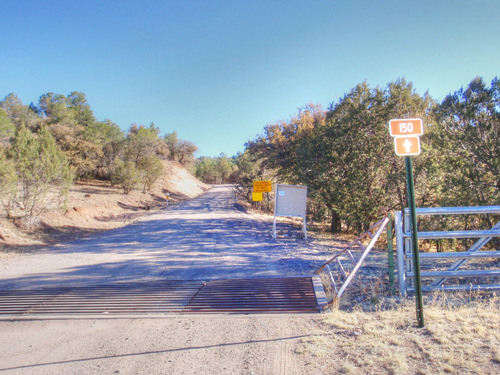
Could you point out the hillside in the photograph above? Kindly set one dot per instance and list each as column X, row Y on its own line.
column 95, row 206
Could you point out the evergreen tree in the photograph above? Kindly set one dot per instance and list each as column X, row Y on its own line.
column 467, row 134
column 42, row 171
column 6, row 127
column 8, row 183
column 139, row 161
column 125, row 174
column 151, row 169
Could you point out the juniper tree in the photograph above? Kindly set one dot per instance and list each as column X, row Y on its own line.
column 42, row 174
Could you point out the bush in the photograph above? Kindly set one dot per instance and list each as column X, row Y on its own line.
column 150, row 169
column 125, row 175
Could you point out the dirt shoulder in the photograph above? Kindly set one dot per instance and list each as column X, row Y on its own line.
column 95, row 206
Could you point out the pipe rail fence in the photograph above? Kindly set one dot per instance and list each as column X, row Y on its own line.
column 347, row 273
column 406, row 272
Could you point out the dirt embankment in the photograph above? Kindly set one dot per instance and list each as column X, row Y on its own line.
column 94, row 206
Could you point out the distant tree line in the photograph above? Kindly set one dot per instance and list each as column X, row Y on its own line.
column 216, row 170
column 346, row 156
column 44, row 147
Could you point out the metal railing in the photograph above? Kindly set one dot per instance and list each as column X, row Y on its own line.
column 405, row 257
column 348, row 276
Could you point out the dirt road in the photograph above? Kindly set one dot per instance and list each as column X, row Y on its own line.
column 204, row 238
column 200, row 239
column 174, row 345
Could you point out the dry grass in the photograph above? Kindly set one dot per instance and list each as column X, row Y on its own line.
column 459, row 338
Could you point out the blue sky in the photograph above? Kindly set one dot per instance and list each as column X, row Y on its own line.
column 218, row 71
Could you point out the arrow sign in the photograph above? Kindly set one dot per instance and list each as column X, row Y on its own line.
column 406, row 146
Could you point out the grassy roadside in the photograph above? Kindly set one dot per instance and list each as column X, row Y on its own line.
column 458, row 338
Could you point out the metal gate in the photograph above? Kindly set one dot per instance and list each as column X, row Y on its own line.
column 405, row 257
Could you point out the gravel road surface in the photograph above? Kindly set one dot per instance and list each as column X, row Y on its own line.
column 201, row 239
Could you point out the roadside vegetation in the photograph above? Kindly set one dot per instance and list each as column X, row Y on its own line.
column 346, row 156
column 217, row 170
column 45, row 147
column 343, row 154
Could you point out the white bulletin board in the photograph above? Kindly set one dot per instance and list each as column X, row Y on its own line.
column 290, row 201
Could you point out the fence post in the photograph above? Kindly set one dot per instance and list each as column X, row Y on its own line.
column 390, row 253
column 398, row 229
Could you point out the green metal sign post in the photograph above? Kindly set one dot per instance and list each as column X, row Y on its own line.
column 414, row 241
column 406, row 133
